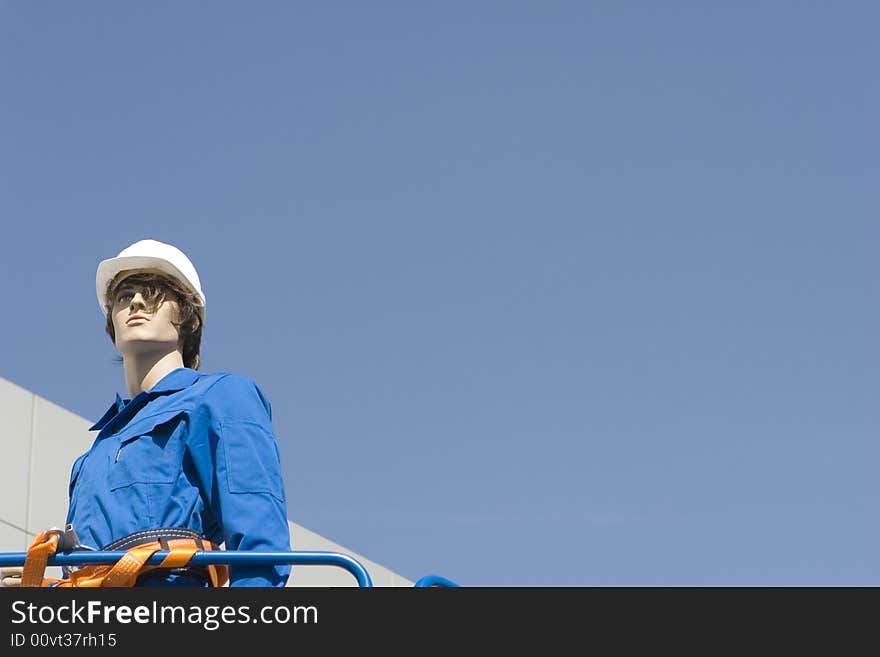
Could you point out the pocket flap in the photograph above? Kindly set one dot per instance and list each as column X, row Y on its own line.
column 143, row 425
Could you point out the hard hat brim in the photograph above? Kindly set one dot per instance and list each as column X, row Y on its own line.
column 108, row 269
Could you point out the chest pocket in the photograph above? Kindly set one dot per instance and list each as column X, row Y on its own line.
column 150, row 451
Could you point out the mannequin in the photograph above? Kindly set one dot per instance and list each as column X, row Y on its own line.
column 188, row 451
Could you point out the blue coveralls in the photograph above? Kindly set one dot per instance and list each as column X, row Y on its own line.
column 195, row 451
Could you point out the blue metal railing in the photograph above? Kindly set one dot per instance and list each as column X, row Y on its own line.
column 219, row 557
column 207, row 558
column 434, row 580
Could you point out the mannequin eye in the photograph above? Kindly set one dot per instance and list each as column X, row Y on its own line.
column 123, row 296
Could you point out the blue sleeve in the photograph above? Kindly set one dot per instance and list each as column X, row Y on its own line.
column 247, row 493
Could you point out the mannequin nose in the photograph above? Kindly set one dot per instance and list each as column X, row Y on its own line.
column 137, row 301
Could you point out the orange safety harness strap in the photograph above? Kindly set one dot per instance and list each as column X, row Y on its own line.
column 123, row 573
column 42, row 547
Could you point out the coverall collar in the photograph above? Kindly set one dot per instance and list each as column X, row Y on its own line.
column 175, row 380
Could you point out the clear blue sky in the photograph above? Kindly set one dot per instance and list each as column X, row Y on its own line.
column 548, row 293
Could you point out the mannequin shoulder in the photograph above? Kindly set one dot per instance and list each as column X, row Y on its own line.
column 226, row 391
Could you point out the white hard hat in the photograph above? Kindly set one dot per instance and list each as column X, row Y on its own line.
column 148, row 254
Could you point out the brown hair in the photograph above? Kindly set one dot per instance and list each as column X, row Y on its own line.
column 156, row 288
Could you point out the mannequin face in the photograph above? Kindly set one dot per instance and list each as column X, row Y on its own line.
column 139, row 331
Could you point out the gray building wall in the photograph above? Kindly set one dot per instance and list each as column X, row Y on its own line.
column 40, row 443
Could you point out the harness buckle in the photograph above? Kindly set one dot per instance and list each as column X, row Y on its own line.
column 68, row 541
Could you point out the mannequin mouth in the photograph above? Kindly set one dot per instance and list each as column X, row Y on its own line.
column 137, row 318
